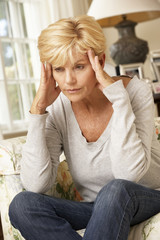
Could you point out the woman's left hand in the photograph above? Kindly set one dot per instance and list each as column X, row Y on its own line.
column 103, row 78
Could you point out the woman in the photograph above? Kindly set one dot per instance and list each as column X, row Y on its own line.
column 105, row 127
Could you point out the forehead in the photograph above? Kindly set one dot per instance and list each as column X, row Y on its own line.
column 77, row 56
column 63, row 56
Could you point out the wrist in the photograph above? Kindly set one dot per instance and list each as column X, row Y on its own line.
column 37, row 110
column 108, row 80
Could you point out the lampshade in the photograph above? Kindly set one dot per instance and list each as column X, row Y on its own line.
column 124, row 15
column 110, row 12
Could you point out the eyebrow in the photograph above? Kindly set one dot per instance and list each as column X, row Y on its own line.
column 80, row 60
column 77, row 62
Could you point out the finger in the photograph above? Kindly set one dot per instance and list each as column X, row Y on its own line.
column 98, row 68
column 48, row 70
column 103, row 77
column 43, row 74
column 91, row 56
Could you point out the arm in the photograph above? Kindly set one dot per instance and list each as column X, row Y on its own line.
column 131, row 132
column 39, row 158
column 47, row 91
column 132, row 125
column 40, row 155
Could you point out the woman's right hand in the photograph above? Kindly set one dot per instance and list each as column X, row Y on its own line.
column 47, row 91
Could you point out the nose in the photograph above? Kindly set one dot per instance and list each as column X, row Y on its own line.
column 70, row 77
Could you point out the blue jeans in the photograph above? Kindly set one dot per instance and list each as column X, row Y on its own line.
column 119, row 205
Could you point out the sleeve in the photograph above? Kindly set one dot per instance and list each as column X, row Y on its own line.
column 40, row 155
column 131, row 131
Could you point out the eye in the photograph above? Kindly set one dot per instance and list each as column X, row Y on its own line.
column 79, row 67
column 59, row 69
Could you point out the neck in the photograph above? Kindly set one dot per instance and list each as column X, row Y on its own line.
column 92, row 103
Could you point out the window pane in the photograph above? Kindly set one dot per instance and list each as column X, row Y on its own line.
column 28, row 53
column 29, row 93
column 23, row 19
column 32, row 13
column 1, row 71
column 4, row 31
column 33, row 57
column 15, row 20
column 26, row 97
column 4, row 115
column 8, row 55
column 15, row 99
column 20, row 60
column 33, row 90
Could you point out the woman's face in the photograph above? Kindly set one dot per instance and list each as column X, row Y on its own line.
column 77, row 78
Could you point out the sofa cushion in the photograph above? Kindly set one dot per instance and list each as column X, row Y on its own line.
column 64, row 186
column 157, row 126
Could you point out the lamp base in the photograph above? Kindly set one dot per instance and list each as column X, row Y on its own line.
column 129, row 48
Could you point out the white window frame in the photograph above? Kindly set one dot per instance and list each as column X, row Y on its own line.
column 22, row 79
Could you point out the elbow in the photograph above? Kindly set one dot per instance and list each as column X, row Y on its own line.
column 129, row 177
column 34, row 186
column 133, row 172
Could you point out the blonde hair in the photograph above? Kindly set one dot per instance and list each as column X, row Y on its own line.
column 57, row 41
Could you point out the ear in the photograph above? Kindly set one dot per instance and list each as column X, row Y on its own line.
column 102, row 60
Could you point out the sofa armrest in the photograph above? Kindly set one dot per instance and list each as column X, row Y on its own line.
column 10, row 185
column 10, row 155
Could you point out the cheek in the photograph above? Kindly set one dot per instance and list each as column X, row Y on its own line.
column 92, row 78
column 57, row 78
column 89, row 75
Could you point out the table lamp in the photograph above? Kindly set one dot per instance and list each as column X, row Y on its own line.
column 124, row 15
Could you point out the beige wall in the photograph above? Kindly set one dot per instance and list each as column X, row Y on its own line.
column 149, row 31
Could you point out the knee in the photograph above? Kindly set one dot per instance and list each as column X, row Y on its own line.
column 18, row 207
column 114, row 191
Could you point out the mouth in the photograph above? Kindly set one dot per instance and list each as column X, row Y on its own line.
column 75, row 90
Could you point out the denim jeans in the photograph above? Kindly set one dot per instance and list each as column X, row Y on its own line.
column 119, row 205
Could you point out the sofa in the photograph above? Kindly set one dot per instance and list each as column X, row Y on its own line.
column 10, row 185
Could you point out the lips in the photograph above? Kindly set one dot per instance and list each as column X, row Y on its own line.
column 75, row 90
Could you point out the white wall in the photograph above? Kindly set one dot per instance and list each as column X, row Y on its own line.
column 149, row 31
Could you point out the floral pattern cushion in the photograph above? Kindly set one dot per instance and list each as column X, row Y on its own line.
column 64, row 186
column 157, row 126
column 10, row 185
column 10, row 150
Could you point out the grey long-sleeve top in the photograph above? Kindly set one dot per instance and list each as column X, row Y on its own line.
column 127, row 149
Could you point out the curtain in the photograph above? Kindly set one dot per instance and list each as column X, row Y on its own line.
column 57, row 9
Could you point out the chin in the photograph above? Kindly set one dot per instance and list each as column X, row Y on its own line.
column 74, row 97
